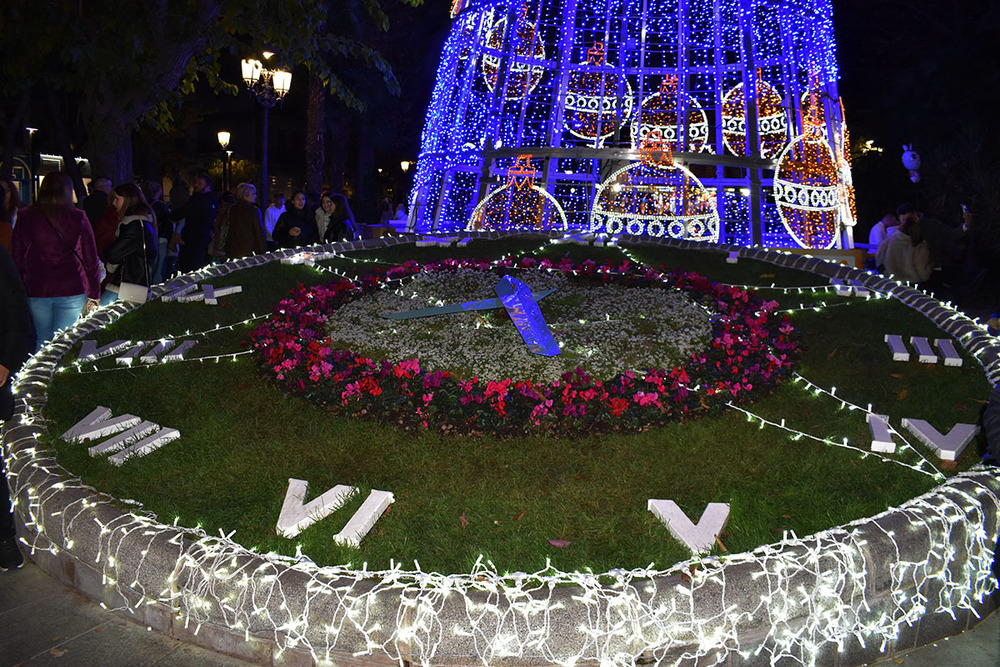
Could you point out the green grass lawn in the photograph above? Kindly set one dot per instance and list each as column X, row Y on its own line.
column 459, row 498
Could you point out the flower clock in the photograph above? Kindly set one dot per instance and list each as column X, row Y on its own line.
column 639, row 347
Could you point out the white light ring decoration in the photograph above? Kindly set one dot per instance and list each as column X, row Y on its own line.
column 480, row 209
column 605, row 106
column 697, row 131
column 825, row 199
column 490, row 65
column 862, row 588
column 613, row 222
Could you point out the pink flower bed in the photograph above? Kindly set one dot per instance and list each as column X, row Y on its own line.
column 751, row 351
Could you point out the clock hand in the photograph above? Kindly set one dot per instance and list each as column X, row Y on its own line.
column 482, row 304
column 516, row 298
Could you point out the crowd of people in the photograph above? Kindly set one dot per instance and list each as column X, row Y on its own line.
column 122, row 239
column 952, row 260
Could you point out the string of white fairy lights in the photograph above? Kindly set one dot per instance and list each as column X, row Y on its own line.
column 787, row 601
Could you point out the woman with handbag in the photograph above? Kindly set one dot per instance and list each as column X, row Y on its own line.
column 54, row 251
column 132, row 255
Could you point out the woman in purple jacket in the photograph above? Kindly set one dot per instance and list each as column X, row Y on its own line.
column 53, row 248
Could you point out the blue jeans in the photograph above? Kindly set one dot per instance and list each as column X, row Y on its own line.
column 52, row 313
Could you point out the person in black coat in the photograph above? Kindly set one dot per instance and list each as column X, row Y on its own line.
column 17, row 340
column 296, row 226
column 131, row 257
column 199, row 214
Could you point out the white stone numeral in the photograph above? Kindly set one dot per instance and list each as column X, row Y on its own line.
column 698, row 538
column 948, row 353
column 898, row 347
column 881, row 434
column 179, row 351
column 90, row 351
column 99, row 424
column 136, row 437
column 923, row 346
column 131, row 355
column 152, row 356
column 179, row 292
column 947, row 447
column 297, row 515
column 212, row 294
column 148, row 444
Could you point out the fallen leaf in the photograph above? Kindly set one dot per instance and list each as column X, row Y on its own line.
column 832, row 352
column 898, row 376
column 961, row 407
column 465, row 522
column 519, row 515
column 898, row 661
column 902, row 394
column 979, row 400
column 57, row 652
column 767, row 275
column 560, row 544
column 786, row 516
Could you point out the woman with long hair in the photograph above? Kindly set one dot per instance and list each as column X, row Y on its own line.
column 10, row 205
column 131, row 257
column 53, row 248
column 342, row 226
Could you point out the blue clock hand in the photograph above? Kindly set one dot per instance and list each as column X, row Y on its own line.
column 516, row 298
column 482, row 304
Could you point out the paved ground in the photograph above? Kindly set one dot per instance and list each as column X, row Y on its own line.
column 46, row 623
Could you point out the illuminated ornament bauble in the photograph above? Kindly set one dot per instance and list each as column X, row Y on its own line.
column 772, row 122
column 591, row 104
column 522, row 76
column 848, row 203
column 808, row 190
column 660, row 112
column 518, row 205
column 655, row 198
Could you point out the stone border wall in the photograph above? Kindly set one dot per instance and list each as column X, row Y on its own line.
column 846, row 596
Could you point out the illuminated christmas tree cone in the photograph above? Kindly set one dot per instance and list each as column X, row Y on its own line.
column 808, row 186
column 655, row 197
column 518, row 205
column 577, row 85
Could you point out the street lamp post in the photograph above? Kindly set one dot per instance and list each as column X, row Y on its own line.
column 31, row 161
column 226, row 170
column 268, row 86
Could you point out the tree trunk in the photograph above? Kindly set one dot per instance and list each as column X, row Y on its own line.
column 110, row 148
column 12, row 124
column 315, row 134
column 61, row 131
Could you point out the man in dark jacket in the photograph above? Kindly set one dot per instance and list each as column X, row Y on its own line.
column 95, row 205
column 17, row 340
column 198, row 214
